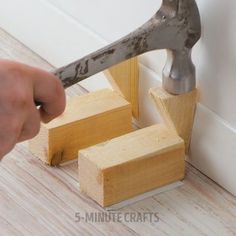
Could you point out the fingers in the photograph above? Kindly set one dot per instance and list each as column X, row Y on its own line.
column 46, row 87
column 49, row 91
column 10, row 129
column 19, row 121
column 20, row 86
column 31, row 125
column 14, row 130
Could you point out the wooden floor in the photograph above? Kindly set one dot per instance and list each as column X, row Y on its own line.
column 38, row 200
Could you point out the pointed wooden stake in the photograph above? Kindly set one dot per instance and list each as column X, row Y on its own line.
column 124, row 78
column 177, row 111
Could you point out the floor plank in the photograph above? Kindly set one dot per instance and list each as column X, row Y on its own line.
column 39, row 200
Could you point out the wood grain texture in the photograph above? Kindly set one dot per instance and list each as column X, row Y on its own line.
column 39, row 200
column 177, row 111
column 124, row 78
column 131, row 164
column 87, row 120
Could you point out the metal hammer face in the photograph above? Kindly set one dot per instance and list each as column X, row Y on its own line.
column 175, row 27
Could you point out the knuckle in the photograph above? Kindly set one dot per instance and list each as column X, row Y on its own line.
column 11, row 69
column 16, row 88
column 58, row 89
column 15, row 72
column 59, row 98
column 19, row 99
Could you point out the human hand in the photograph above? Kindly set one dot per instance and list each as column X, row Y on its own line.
column 20, row 86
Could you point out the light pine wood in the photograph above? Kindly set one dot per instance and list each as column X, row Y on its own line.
column 131, row 164
column 87, row 120
column 36, row 199
column 124, row 78
column 177, row 111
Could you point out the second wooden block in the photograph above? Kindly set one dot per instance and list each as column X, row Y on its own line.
column 132, row 164
column 88, row 119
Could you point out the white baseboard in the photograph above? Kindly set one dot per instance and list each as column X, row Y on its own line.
column 60, row 39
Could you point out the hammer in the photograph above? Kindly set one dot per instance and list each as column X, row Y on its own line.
column 176, row 27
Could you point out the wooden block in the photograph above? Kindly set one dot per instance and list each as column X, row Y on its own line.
column 124, row 78
column 131, row 164
column 177, row 111
column 88, row 119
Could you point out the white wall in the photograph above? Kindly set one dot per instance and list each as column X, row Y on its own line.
column 216, row 58
column 64, row 30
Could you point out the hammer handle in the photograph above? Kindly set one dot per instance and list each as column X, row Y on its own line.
column 121, row 50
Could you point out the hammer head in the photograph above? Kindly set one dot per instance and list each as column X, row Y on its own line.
column 177, row 28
